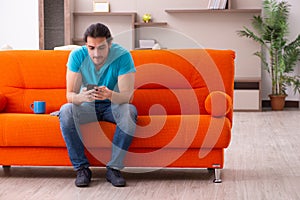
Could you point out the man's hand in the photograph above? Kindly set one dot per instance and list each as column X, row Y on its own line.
column 86, row 95
column 102, row 93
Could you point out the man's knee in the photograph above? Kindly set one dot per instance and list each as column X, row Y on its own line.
column 132, row 111
column 66, row 113
column 65, row 110
column 126, row 117
column 128, row 111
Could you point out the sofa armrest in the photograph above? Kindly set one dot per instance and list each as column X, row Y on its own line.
column 3, row 101
column 218, row 103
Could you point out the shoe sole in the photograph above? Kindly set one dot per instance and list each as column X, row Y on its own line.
column 83, row 185
column 121, row 185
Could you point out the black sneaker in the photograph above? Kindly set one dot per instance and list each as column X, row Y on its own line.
column 115, row 178
column 83, row 178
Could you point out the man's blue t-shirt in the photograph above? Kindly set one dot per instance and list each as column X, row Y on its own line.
column 118, row 62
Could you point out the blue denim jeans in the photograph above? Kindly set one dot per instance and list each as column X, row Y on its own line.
column 123, row 115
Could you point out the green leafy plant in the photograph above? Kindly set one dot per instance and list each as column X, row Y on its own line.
column 271, row 32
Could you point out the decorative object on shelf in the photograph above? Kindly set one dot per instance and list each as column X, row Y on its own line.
column 146, row 18
column 6, row 47
column 271, row 33
column 217, row 4
column 156, row 46
column 100, row 6
column 146, row 44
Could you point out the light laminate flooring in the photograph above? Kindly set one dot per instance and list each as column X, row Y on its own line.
column 261, row 163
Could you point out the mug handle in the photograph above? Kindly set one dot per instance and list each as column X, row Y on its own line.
column 31, row 107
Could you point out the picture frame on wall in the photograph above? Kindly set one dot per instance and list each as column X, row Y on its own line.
column 100, row 6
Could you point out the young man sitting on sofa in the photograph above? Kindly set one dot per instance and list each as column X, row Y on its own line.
column 100, row 83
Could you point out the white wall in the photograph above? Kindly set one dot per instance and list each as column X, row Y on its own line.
column 19, row 24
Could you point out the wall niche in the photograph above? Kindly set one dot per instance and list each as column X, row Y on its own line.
column 51, row 20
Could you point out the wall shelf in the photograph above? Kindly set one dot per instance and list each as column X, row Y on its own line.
column 104, row 14
column 213, row 11
column 150, row 24
column 116, row 14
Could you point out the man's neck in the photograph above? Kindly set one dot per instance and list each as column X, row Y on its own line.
column 98, row 67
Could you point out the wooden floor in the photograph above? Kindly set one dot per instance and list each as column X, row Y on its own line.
column 262, row 163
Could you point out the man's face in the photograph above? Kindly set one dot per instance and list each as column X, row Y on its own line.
column 98, row 49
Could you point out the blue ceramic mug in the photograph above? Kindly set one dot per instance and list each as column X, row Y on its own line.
column 38, row 107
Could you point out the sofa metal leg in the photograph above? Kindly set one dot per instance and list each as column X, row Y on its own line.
column 217, row 176
column 6, row 170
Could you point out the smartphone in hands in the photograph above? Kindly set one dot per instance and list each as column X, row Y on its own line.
column 91, row 86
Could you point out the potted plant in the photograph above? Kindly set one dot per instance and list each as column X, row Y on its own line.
column 278, row 56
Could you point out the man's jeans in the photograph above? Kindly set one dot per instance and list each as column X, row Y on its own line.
column 123, row 115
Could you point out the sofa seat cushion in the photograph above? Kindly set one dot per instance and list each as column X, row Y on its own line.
column 160, row 131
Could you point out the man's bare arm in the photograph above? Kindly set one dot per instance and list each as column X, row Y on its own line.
column 74, row 95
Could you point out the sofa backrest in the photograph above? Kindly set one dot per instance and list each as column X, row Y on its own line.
column 29, row 75
column 178, row 81
column 170, row 82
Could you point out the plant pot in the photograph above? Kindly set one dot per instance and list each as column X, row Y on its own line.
column 277, row 101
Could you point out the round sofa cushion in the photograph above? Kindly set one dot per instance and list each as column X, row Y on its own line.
column 218, row 103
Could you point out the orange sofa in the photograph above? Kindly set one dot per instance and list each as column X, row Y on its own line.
column 183, row 97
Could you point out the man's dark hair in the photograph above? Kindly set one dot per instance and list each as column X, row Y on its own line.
column 97, row 30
